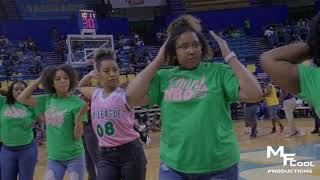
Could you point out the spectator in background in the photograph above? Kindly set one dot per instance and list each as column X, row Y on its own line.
column 301, row 23
column 3, row 41
column 250, row 117
column 139, row 43
column 271, row 36
column 247, row 26
column 54, row 34
column 273, row 107
column 287, row 34
column 62, row 48
column 136, row 37
column 147, row 55
column 235, row 34
column 280, row 32
column 37, row 64
column 289, row 105
column 159, row 37
column 268, row 32
column 31, row 45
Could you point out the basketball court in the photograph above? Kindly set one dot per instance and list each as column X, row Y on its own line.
column 254, row 163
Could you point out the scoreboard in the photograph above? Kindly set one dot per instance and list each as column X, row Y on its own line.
column 87, row 21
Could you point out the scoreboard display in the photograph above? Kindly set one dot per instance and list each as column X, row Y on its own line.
column 87, row 20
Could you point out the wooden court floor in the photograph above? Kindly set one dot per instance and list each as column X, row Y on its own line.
column 253, row 161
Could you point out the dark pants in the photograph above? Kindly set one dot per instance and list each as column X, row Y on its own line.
column 91, row 148
column 20, row 161
column 166, row 173
column 125, row 162
column 250, row 116
column 316, row 120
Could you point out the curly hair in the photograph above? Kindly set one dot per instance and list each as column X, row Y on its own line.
column 103, row 55
column 183, row 24
column 313, row 39
column 10, row 98
column 49, row 73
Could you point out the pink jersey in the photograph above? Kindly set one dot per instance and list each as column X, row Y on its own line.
column 111, row 118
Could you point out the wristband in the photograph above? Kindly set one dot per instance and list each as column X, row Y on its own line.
column 229, row 57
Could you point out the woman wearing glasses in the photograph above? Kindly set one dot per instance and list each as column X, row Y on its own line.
column 195, row 97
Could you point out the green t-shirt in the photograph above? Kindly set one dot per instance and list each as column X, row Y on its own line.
column 16, row 123
column 2, row 102
column 197, row 131
column 61, row 115
column 310, row 85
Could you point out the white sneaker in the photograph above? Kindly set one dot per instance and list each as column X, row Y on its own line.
column 293, row 134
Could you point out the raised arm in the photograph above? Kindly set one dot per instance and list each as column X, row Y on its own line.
column 26, row 96
column 250, row 90
column 85, row 84
column 281, row 65
column 138, row 88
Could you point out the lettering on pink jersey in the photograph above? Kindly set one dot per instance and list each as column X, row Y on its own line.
column 105, row 113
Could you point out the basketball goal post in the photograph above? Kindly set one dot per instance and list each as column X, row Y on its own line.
column 81, row 47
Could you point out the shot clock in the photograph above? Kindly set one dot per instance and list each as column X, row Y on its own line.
column 87, row 21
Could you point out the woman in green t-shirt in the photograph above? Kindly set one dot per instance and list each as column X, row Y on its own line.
column 197, row 138
column 19, row 152
column 2, row 93
column 284, row 67
column 64, row 115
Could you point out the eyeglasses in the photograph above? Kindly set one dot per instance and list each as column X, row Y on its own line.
column 194, row 45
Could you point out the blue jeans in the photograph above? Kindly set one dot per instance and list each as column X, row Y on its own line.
column 126, row 162
column 166, row 173
column 273, row 112
column 19, row 160
column 74, row 167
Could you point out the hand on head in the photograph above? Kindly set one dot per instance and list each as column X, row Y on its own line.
column 161, row 54
column 225, row 50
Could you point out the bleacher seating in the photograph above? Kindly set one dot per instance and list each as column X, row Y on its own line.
column 10, row 9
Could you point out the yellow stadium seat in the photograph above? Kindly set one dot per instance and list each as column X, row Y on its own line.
column 122, row 79
column 252, row 68
column 4, row 85
column 130, row 77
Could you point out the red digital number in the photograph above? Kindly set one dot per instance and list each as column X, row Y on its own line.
column 88, row 23
column 85, row 23
column 91, row 23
